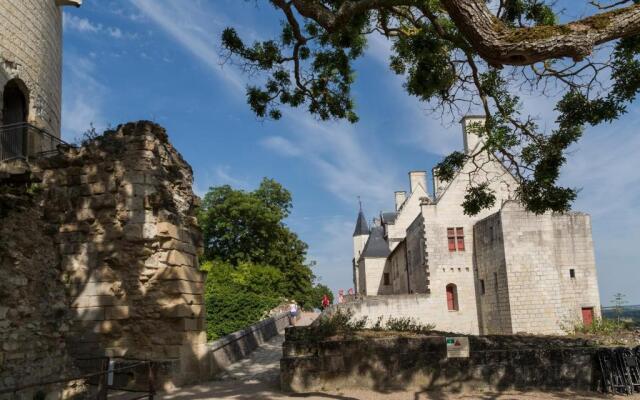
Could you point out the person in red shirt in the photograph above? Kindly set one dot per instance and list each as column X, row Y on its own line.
column 325, row 301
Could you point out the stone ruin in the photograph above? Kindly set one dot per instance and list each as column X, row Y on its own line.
column 99, row 257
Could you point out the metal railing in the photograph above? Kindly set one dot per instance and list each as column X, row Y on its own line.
column 25, row 141
column 103, row 380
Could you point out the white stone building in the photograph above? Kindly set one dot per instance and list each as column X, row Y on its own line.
column 502, row 271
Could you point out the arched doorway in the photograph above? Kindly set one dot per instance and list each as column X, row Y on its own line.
column 14, row 103
column 13, row 140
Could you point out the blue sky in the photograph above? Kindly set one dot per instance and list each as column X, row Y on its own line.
column 128, row 60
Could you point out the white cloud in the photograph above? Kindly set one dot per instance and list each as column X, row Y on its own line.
column 341, row 156
column 115, row 32
column 79, row 24
column 84, row 25
column 83, row 93
column 217, row 176
column 191, row 28
column 282, row 146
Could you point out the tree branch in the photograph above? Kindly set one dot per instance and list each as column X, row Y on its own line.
column 503, row 45
column 496, row 42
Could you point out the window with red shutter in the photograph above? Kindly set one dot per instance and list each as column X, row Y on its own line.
column 460, row 237
column 455, row 239
column 452, row 297
column 451, row 237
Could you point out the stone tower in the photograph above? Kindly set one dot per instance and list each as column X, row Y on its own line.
column 360, row 237
column 31, row 62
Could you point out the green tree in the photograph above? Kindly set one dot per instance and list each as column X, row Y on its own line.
column 248, row 227
column 457, row 55
column 619, row 301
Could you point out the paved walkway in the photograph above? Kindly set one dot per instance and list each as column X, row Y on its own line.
column 263, row 365
column 257, row 378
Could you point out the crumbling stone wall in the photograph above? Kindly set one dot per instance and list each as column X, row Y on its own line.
column 34, row 317
column 128, row 240
column 122, row 244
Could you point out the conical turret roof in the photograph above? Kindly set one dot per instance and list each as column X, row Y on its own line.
column 362, row 228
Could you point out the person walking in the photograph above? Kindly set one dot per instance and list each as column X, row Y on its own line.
column 293, row 313
column 325, row 301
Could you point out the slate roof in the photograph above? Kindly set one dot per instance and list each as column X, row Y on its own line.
column 362, row 228
column 389, row 217
column 376, row 245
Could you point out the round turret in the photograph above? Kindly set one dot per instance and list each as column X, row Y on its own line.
column 31, row 62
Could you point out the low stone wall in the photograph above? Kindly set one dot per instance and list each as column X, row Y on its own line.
column 404, row 361
column 234, row 347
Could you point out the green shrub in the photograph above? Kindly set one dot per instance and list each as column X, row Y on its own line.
column 603, row 327
column 237, row 297
column 339, row 323
column 408, row 325
column 342, row 322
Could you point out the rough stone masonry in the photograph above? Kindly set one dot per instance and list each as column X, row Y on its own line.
column 119, row 245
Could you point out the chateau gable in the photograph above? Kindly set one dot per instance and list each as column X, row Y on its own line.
column 407, row 210
column 484, row 167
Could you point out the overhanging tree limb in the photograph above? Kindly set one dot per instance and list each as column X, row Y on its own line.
column 502, row 45
column 496, row 42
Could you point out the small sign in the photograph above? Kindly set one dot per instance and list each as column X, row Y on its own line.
column 457, row 347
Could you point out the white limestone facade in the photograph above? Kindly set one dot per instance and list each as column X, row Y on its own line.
column 539, row 271
column 543, row 264
column 31, row 60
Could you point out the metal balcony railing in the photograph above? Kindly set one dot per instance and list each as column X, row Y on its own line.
column 25, row 141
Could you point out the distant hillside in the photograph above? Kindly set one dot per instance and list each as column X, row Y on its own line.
column 628, row 312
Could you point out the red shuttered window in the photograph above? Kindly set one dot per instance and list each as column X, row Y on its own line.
column 455, row 238
column 451, row 237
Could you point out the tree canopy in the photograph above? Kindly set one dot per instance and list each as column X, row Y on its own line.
column 243, row 228
column 461, row 55
column 248, row 226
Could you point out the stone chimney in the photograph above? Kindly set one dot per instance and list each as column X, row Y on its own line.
column 418, row 178
column 437, row 185
column 470, row 139
column 401, row 196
